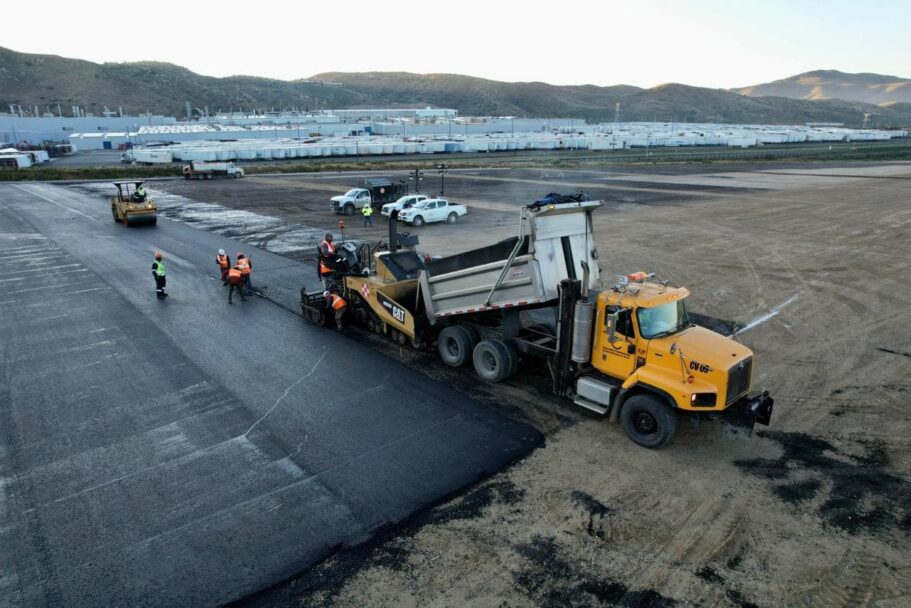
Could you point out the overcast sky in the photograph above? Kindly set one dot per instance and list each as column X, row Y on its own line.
column 711, row 43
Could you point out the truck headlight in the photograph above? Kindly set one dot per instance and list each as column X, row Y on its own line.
column 704, row 399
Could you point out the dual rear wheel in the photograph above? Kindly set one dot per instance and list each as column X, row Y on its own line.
column 494, row 360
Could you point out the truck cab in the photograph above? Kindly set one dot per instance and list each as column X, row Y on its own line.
column 660, row 362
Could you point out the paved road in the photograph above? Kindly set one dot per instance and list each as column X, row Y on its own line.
column 184, row 452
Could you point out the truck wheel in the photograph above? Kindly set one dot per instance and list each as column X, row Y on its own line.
column 648, row 420
column 453, row 218
column 493, row 361
column 418, row 220
column 349, row 209
column 455, row 344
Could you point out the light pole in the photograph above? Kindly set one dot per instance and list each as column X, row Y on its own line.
column 441, row 169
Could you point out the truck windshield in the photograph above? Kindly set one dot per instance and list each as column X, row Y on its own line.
column 662, row 320
column 351, row 193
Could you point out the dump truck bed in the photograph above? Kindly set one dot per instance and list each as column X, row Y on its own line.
column 553, row 243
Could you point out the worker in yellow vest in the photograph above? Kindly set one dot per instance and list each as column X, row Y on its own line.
column 338, row 304
column 158, row 271
column 367, row 211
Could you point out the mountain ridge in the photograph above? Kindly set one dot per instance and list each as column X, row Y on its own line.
column 47, row 80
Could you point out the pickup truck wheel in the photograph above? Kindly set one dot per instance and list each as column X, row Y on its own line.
column 453, row 218
column 349, row 209
column 418, row 220
column 455, row 344
column 492, row 360
column 648, row 421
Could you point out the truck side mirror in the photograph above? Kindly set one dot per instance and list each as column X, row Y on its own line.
column 610, row 325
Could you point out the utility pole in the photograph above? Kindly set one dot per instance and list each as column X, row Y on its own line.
column 441, row 169
column 417, row 176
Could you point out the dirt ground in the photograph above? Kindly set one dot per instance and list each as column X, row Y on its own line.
column 811, row 262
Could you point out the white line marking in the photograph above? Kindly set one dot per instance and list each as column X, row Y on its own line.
column 86, row 347
column 762, row 319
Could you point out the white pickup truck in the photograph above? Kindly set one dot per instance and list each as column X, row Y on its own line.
column 432, row 210
column 376, row 192
column 403, row 203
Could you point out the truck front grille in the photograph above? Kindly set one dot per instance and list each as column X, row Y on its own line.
column 739, row 380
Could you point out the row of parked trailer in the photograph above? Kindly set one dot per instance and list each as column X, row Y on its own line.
column 369, row 146
column 22, row 159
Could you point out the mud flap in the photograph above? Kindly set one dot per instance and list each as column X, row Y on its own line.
column 747, row 412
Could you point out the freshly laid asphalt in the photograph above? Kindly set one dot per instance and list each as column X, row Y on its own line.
column 188, row 452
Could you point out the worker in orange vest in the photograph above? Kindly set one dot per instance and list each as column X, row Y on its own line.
column 235, row 282
column 338, row 304
column 327, row 259
column 224, row 263
column 246, row 266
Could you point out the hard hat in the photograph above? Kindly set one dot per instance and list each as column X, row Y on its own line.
column 157, row 255
column 326, row 294
column 221, row 252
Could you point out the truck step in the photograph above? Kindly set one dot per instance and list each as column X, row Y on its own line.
column 591, row 405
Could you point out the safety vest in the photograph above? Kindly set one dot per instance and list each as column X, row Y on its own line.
column 222, row 260
column 141, row 192
column 367, row 211
column 323, row 269
column 159, row 268
column 330, row 248
column 234, row 276
column 244, row 265
column 337, row 302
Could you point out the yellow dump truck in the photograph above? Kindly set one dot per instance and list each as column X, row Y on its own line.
column 628, row 351
column 132, row 206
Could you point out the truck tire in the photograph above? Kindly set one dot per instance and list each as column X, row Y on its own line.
column 455, row 344
column 418, row 220
column 453, row 218
column 349, row 209
column 648, row 420
column 493, row 360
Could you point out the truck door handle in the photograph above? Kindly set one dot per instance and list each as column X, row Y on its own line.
column 631, row 349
